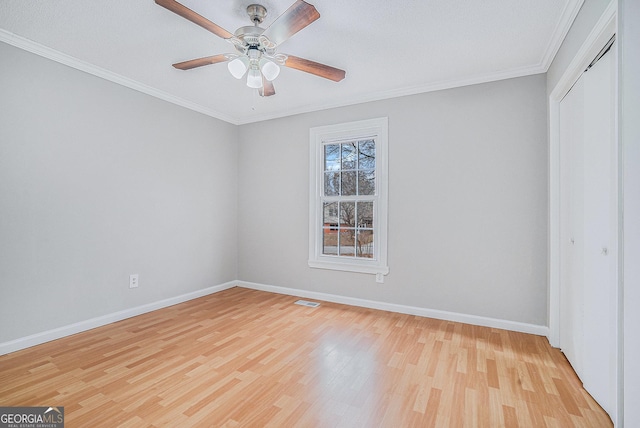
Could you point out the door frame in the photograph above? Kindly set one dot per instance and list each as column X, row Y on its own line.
column 600, row 35
column 605, row 28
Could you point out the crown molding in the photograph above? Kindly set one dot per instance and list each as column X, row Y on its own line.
column 402, row 92
column 560, row 32
column 602, row 31
column 62, row 58
column 562, row 28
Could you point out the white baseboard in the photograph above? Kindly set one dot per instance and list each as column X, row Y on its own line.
column 539, row 330
column 67, row 330
column 57, row 333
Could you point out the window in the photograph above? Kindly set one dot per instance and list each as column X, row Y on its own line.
column 348, row 197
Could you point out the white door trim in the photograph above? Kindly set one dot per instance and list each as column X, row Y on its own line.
column 605, row 28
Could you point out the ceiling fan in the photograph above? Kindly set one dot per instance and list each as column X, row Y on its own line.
column 256, row 47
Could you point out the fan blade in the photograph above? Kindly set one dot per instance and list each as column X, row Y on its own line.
column 316, row 68
column 188, row 65
column 294, row 19
column 267, row 88
column 187, row 13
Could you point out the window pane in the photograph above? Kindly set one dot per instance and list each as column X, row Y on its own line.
column 347, row 242
column 330, row 241
column 332, row 157
column 365, row 215
column 367, row 154
column 349, row 183
column 365, row 244
column 366, row 182
column 330, row 214
column 347, row 214
column 349, row 156
column 331, row 183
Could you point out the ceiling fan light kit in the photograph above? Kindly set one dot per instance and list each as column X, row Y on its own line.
column 256, row 47
column 238, row 66
column 269, row 69
column 254, row 78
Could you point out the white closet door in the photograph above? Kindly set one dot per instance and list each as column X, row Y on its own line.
column 600, row 223
column 588, row 311
column 572, row 202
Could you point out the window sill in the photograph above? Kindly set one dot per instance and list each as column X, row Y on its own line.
column 346, row 266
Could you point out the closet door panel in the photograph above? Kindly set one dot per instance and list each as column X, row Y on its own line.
column 572, row 201
column 600, row 246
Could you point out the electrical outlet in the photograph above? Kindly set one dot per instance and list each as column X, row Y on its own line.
column 133, row 281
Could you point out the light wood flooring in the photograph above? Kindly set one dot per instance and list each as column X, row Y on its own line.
column 245, row 358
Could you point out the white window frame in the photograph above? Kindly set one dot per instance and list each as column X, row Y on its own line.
column 318, row 136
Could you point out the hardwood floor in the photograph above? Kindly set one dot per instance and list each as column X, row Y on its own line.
column 249, row 358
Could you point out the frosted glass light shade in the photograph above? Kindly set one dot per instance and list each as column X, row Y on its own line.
column 238, row 67
column 254, row 78
column 270, row 70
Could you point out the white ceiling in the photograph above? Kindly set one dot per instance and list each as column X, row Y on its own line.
column 388, row 48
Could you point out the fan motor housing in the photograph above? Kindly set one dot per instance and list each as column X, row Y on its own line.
column 249, row 34
column 256, row 13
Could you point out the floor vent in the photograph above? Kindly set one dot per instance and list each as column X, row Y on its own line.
column 309, row 304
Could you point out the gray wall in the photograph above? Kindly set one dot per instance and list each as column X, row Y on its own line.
column 468, row 201
column 629, row 81
column 97, row 182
